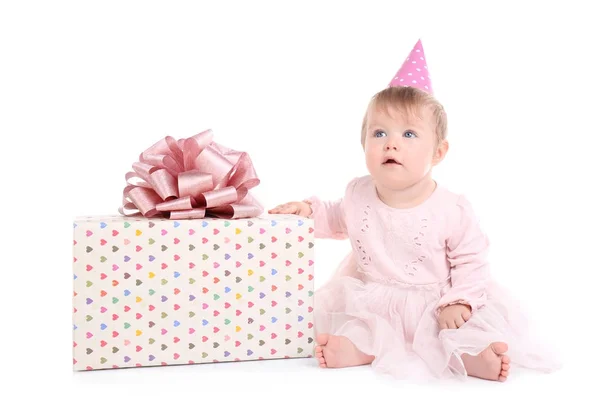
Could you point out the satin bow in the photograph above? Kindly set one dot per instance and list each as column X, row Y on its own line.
column 191, row 178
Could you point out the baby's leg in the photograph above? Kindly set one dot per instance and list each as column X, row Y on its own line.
column 339, row 352
column 490, row 364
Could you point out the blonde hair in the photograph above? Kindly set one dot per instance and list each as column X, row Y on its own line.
column 411, row 101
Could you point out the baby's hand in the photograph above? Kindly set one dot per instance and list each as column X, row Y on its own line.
column 454, row 316
column 299, row 208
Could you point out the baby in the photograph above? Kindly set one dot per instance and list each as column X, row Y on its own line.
column 414, row 297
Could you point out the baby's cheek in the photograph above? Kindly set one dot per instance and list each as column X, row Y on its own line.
column 371, row 159
column 423, row 162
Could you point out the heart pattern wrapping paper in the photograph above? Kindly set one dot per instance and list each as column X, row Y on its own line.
column 150, row 292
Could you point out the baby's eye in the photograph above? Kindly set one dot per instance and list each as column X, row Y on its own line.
column 409, row 134
column 380, row 134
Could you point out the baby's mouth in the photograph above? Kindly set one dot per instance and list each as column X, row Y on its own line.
column 391, row 162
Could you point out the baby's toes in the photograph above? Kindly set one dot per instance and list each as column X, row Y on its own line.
column 505, row 368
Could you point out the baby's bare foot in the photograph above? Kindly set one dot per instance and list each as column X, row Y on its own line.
column 490, row 364
column 338, row 352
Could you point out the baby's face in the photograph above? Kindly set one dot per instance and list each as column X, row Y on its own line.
column 399, row 148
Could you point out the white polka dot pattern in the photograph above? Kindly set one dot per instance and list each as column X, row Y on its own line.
column 414, row 71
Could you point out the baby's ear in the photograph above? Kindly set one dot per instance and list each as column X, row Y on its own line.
column 440, row 152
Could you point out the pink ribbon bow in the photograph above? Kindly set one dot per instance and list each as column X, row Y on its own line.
column 191, row 178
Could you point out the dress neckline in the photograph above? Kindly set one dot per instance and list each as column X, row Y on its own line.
column 436, row 192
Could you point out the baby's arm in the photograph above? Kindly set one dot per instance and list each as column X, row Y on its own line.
column 328, row 216
column 467, row 249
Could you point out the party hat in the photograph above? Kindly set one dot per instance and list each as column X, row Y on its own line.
column 413, row 72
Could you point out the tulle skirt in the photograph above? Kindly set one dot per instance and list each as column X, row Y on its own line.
column 396, row 323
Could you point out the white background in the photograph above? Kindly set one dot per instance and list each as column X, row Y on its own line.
column 85, row 87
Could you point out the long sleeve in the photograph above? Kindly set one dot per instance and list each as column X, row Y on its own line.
column 329, row 218
column 467, row 250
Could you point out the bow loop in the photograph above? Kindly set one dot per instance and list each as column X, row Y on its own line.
column 191, row 178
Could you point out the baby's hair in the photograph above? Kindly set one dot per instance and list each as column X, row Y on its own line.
column 411, row 101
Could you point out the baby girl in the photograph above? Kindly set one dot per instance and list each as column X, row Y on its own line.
column 414, row 297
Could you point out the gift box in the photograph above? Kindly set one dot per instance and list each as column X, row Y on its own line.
column 157, row 291
column 190, row 271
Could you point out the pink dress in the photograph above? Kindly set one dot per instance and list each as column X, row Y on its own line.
column 405, row 265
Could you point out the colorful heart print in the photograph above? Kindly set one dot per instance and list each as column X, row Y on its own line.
column 233, row 290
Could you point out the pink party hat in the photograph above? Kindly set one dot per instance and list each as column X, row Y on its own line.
column 413, row 72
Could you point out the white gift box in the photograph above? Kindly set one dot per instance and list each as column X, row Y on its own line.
column 162, row 292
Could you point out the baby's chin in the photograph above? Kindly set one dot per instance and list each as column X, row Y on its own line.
column 390, row 182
